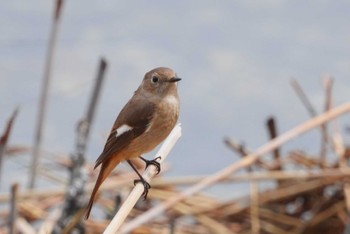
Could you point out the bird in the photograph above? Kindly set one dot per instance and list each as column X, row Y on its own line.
column 142, row 124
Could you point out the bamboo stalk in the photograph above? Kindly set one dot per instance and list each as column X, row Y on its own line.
column 247, row 161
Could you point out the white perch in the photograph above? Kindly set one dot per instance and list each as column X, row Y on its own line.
column 136, row 193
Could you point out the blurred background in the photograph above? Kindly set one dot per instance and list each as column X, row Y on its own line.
column 235, row 58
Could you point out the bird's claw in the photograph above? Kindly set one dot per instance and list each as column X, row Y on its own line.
column 153, row 162
column 146, row 187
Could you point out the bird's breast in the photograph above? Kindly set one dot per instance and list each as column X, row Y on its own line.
column 163, row 121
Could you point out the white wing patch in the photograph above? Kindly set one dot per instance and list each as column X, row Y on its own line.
column 122, row 129
column 149, row 127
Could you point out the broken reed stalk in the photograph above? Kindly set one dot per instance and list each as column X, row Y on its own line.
column 213, row 225
column 13, row 209
column 272, row 128
column 279, row 194
column 242, row 150
column 44, row 93
column 304, row 99
column 253, row 184
column 24, row 227
column 4, row 138
column 135, row 194
column 254, row 207
column 189, row 180
column 337, row 139
column 269, row 175
column 50, row 221
column 328, row 85
column 96, row 91
column 75, row 197
column 247, row 161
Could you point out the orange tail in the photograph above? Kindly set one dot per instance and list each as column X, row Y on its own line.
column 106, row 169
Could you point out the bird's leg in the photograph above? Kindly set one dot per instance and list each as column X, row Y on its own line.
column 146, row 185
column 153, row 162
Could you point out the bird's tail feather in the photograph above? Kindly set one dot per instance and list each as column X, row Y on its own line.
column 106, row 169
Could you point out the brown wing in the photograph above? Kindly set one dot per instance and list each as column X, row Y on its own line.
column 138, row 117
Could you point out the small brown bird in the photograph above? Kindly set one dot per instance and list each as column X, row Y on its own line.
column 144, row 122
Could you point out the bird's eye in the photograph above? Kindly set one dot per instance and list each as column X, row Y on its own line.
column 154, row 79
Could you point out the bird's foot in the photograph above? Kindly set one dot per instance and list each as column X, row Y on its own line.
column 146, row 186
column 153, row 162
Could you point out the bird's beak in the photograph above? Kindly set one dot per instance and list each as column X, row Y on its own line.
column 174, row 79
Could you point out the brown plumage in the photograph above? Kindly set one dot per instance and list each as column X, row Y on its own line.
column 144, row 122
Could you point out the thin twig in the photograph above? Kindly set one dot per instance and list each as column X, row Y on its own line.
column 236, row 146
column 304, row 99
column 44, row 93
column 242, row 150
column 247, row 161
column 5, row 136
column 135, row 194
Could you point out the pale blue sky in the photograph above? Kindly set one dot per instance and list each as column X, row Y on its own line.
column 236, row 59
